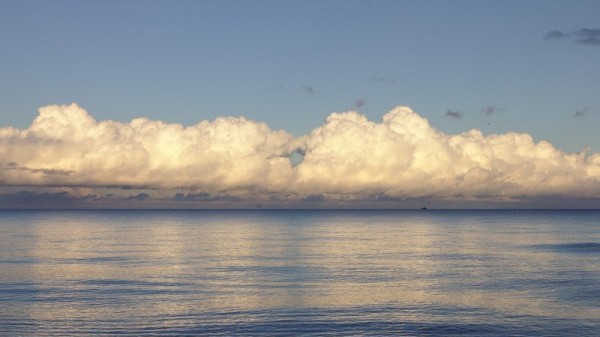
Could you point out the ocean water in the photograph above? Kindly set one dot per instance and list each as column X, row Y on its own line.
column 300, row 273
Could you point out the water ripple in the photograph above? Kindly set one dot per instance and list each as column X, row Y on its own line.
column 575, row 247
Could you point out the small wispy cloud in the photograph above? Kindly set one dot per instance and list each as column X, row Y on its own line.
column 555, row 35
column 490, row 110
column 454, row 114
column 583, row 112
column 588, row 36
column 308, row 89
column 360, row 102
column 585, row 36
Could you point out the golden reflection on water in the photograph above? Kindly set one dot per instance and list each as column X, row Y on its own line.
column 173, row 265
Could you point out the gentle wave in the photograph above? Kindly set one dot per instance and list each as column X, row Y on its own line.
column 575, row 247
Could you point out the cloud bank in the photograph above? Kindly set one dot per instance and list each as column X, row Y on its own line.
column 231, row 159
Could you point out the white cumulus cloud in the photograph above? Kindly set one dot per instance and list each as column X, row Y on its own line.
column 404, row 156
column 348, row 157
column 66, row 146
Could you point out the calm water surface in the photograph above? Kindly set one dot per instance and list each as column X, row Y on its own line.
column 299, row 273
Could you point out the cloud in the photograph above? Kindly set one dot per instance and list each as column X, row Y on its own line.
column 490, row 110
column 140, row 196
column 229, row 152
column 555, row 35
column 203, row 196
column 583, row 112
column 585, row 36
column 383, row 80
column 454, row 114
column 61, row 199
column 314, row 198
column 404, row 156
column 308, row 89
column 349, row 159
column 45, row 171
column 588, row 36
column 360, row 102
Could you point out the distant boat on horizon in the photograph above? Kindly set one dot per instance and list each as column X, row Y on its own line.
column 423, row 208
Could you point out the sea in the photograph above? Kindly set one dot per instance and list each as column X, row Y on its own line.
column 300, row 273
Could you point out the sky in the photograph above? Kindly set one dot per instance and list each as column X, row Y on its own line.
column 209, row 104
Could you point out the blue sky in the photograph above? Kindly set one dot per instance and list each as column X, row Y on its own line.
column 292, row 63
